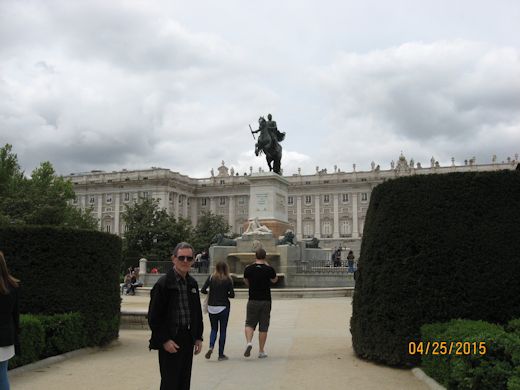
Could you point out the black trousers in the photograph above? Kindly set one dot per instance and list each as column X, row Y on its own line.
column 176, row 367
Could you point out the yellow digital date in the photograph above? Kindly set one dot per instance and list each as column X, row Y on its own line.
column 447, row 348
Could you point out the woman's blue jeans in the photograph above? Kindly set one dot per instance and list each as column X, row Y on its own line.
column 4, row 381
column 216, row 320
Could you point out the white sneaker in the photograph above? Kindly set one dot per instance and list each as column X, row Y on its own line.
column 262, row 355
column 247, row 352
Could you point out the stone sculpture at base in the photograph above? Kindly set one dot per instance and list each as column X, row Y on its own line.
column 255, row 227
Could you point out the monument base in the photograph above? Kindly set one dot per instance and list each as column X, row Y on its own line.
column 276, row 226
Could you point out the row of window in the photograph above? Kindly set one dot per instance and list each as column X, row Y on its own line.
column 126, row 198
column 326, row 198
column 345, row 228
column 108, row 197
column 222, row 199
column 308, row 228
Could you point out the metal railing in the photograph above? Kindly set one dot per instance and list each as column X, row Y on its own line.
column 322, row 267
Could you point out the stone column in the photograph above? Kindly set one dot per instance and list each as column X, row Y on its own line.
column 164, row 199
column 336, row 216
column 142, row 266
column 194, row 205
column 317, row 222
column 116, row 213
column 176, row 197
column 299, row 226
column 213, row 205
column 231, row 215
column 100, row 210
column 185, row 206
column 355, row 228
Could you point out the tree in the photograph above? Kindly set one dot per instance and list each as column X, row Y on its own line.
column 42, row 199
column 47, row 197
column 10, row 173
column 81, row 219
column 151, row 232
column 208, row 225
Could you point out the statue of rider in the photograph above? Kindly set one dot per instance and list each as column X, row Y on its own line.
column 269, row 142
column 261, row 125
column 273, row 129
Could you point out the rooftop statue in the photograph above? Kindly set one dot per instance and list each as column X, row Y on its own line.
column 269, row 142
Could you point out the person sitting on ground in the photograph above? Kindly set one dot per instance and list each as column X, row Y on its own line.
column 220, row 290
column 130, row 284
column 136, row 281
column 127, row 283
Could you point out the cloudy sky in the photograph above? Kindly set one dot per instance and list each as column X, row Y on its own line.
column 174, row 84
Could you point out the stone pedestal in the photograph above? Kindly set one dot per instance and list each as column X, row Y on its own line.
column 268, row 201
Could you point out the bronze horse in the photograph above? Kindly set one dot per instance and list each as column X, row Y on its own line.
column 268, row 143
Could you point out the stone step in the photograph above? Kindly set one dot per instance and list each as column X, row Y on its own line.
column 283, row 293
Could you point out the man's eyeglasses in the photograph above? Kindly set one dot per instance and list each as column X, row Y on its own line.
column 185, row 258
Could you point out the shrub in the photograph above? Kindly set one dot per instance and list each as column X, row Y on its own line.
column 497, row 368
column 435, row 247
column 513, row 326
column 63, row 333
column 42, row 336
column 67, row 270
column 32, row 341
column 514, row 381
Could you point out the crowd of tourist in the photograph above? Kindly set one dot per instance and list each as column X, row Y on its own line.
column 337, row 262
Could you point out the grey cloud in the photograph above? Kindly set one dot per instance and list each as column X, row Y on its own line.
column 425, row 93
column 133, row 84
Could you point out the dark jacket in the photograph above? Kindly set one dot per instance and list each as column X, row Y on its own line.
column 162, row 312
column 219, row 291
column 10, row 319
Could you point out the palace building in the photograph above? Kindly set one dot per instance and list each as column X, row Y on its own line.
column 329, row 206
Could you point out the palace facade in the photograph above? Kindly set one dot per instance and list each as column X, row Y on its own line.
column 329, row 206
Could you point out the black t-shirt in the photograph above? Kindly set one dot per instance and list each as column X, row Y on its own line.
column 259, row 277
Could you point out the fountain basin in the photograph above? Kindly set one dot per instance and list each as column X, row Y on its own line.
column 238, row 261
column 238, row 280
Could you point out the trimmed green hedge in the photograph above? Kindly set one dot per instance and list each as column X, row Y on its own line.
column 436, row 247
column 496, row 369
column 63, row 333
column 67, row 270
column 32, row 341
column 43, row 336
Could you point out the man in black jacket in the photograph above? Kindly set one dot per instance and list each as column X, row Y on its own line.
column 175, row 318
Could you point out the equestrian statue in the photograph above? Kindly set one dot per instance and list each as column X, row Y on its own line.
column 269, row 142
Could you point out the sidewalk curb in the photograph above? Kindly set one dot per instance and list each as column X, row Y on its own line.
column 430, row 382
column 58, row 358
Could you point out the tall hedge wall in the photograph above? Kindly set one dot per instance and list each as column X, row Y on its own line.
column 67, row 270
column 436, row 247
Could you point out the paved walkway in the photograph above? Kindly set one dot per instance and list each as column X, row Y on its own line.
column 309, row 347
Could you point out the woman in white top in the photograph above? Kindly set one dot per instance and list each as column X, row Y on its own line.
column 220, row 290
column 9, row 320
